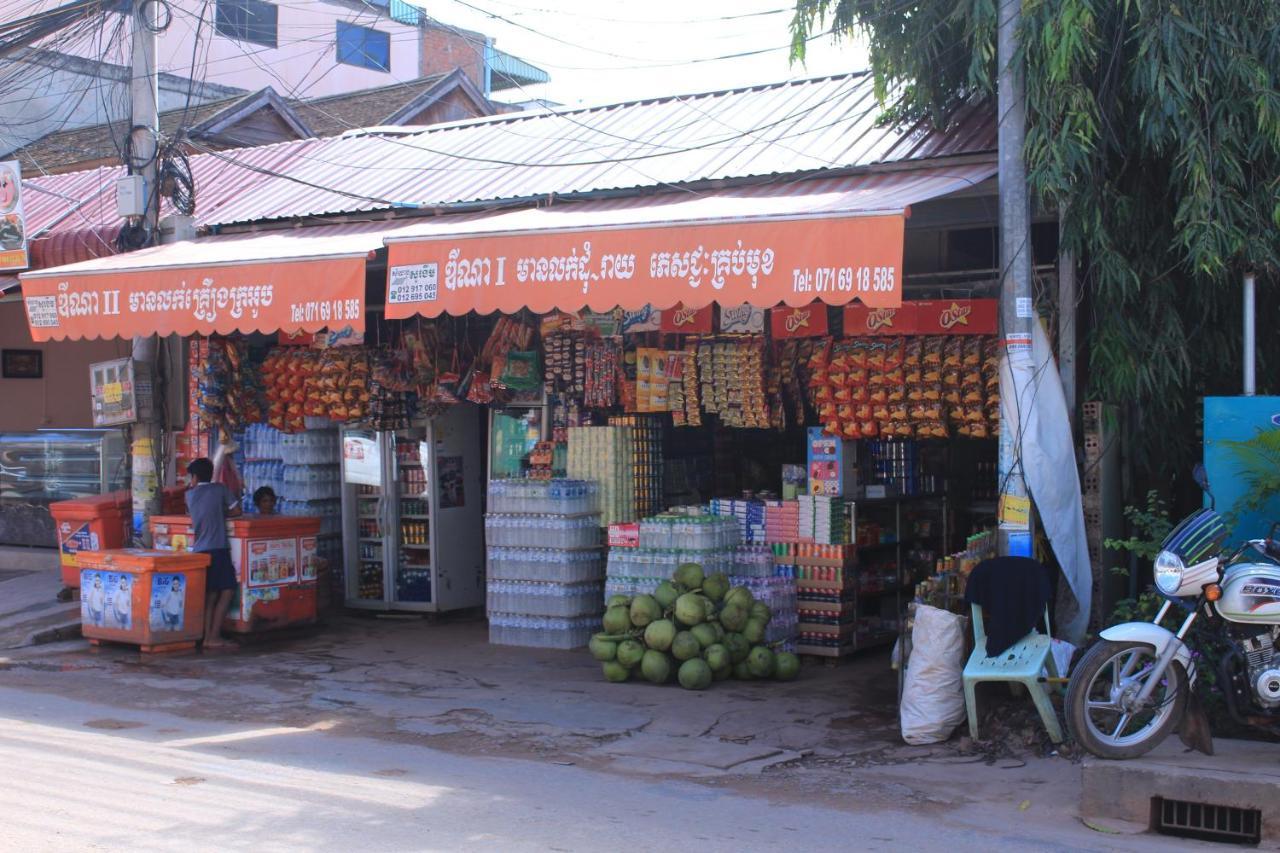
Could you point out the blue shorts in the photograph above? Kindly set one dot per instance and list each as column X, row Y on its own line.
column 221, row 574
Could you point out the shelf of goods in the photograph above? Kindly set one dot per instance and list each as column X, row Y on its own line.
column 668, row 540
column 850, row 594
column 544, row 562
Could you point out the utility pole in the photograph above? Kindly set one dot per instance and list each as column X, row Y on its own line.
column 148, row 433
column 1016, row 305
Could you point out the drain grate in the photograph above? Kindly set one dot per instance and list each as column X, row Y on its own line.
column 1206, row 822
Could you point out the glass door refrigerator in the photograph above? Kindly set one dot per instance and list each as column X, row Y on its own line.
column 412, row 515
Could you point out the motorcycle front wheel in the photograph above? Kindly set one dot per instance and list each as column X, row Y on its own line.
column 1101, row 710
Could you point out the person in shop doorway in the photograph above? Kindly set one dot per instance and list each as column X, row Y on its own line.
column 264, row 500
column 210, row 504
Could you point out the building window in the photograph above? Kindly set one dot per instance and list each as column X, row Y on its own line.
column 247, row 20
column 364, row 47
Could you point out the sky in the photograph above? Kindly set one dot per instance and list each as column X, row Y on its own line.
column 598, row 51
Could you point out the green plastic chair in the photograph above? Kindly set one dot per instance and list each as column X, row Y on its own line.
column 1021, row 663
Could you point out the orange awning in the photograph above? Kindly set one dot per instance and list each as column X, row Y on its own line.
column 832, row 239
column 296, row 280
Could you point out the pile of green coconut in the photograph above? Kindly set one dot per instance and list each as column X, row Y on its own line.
column 695, row 628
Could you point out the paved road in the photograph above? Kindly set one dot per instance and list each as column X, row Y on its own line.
column 87, row 776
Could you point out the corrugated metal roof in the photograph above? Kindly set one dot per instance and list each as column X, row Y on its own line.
column 851, row 195
column 669, row 143
column 782, row 129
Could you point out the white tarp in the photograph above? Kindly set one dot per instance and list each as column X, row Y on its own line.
column 1048, row 456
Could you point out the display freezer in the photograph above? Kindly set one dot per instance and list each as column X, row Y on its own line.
column 411, row 513
column 39, row 468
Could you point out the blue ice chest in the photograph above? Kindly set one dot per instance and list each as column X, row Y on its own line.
column 1227, row 420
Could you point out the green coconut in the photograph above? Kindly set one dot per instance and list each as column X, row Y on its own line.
column 603, row 649
column 685, row 646
column 629, row 653
column 690, row 609
column 618, row 601
column 659, row 634
column 717, row 657
column 655, row 666
column 738, row 646
column 734, row 617
column 754, row 631
column 614, row 671
column 760, row 611
column 617, row 619
column 739, row 595
column 666, row 594
column 786, row 666
column 689, row 575
column 705, row 634
column 742, row 671
column 644, row 609
column 720, row 631
column 715, row 586
column 694, row 674
column 761, row 661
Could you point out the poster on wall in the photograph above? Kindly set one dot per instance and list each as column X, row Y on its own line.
column 272, row 561
column 13, row 224
column 452, row 491
column 106, row 599
column 308, row 558
column 361, row 459
column 168, row 602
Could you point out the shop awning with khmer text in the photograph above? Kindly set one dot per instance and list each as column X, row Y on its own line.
column 829, row 239
column 291, row 280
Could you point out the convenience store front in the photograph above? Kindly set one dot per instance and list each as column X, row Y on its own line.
column 754, row 347
column 764, row 299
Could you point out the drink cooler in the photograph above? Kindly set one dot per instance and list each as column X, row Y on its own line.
column 142, row 566
column 98, row 523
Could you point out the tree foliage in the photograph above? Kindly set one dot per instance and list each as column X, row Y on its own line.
column 1154, row 130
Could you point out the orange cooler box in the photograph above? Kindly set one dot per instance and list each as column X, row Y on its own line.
column 98, row 523
column 276, row 566
column 154, row 599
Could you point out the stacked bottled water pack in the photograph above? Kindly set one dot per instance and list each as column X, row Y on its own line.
column 556, row 497
column 542, row 598
column 542, row 530
column 666, row 541
column 544, row 562
column 541, row 632
column 303, row 470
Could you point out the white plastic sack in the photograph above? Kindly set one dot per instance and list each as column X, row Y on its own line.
column 933, row 692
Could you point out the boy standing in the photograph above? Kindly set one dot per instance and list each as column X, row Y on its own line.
column 210, row 505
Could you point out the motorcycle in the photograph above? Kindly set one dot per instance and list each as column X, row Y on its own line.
column 1133, row 687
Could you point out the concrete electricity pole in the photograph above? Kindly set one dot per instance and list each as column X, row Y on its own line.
column 144, row 136
column 1016, row 301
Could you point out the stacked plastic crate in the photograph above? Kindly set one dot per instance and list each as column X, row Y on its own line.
column 545, row 562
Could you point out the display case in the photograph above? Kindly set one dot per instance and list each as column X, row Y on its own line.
column 411, row 506
column 514, row 431
column 38, row 468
